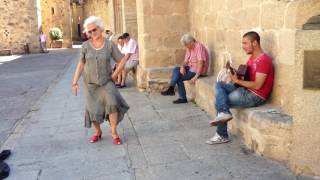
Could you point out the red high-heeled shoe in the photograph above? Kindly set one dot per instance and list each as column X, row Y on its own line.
column 117, row 141
column 95, row 138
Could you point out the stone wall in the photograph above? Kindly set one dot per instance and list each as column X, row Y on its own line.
column 98, row 8
column 130, row 17
column 305, row 149
column 57, row 13
column 220, row 24
column 19, row 27
column 77, row 18
column 161, row 24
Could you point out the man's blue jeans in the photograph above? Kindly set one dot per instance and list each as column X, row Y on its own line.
column 178, row 78
column 228, row 96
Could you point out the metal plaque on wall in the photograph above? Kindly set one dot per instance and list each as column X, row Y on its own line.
column 311, row 69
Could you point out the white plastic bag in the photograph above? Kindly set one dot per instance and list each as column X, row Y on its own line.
column 223, row 74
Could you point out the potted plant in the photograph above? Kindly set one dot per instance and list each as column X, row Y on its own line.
column 56, row 37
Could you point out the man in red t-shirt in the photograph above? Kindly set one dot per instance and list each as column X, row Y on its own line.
column 241, row 93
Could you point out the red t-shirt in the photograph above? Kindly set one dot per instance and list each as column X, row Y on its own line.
column 262, row 64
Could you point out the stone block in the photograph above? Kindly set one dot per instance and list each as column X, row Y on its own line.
column 264, row 129
column 210, row 20
column 202, row 93
column 248, row 18
column 179, row 56
column 218, row 5
column 272, row 15
column 251, row 3
column 283, row 87
column 167, row 7
column 160, row 58
column 159, row 73
column 286, row 53
column 234, row 5
column 141, row 78
column 234, row 42
column 270, row 42
column 150, row 42
column 178, row 23
column 172, row 41
column 220, row 38
column 143, row 8
column 157, row 85
column 165, row 24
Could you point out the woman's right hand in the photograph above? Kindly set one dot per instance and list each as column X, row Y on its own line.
column 75, row 89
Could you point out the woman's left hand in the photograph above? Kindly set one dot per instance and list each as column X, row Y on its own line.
column 75, row 89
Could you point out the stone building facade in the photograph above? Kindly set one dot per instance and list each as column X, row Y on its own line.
column 220, row 24
column 289, row 30
column 21, row 28
column 19, row 25
column 57, row 13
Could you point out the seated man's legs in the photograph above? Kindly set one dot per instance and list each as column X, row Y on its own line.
column 239, row 97
column 181, row 89
column 127, row 68
column 222, row 91
column 178, row 78
column 175, row 76
column 174, row 80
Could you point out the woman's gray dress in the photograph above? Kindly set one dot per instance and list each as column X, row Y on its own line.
column 101, row 95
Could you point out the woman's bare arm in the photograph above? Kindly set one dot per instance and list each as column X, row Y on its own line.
column 76, row 77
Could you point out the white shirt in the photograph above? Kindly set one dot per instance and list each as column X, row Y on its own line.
column 132, row 48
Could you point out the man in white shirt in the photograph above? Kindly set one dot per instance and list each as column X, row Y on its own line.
column 131, row 51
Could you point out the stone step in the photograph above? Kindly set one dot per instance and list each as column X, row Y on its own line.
column 5, row 52
column 264, row 129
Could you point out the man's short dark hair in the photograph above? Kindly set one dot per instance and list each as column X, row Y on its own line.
column 107, row 31
column 253, row 36
column 125, row 35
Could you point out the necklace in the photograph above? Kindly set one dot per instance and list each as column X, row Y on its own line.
column 98, row 44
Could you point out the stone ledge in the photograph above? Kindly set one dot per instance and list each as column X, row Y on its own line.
column 264, row 129
column 5, row 52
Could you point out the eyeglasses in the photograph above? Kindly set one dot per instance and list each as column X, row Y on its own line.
column 93, row 30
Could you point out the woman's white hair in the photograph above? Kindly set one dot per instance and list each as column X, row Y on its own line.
column 93, row 20
column 186, row 39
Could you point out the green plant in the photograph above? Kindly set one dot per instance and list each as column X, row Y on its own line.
column 55, row 33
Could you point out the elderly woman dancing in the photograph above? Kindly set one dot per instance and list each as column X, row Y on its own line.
column 103, row 100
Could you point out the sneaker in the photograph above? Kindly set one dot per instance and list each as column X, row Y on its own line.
column 168, row 92
column 180, row 101
column 217, row 139
column 221, row 118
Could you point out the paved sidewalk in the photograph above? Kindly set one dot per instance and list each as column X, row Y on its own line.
column 161, row 141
